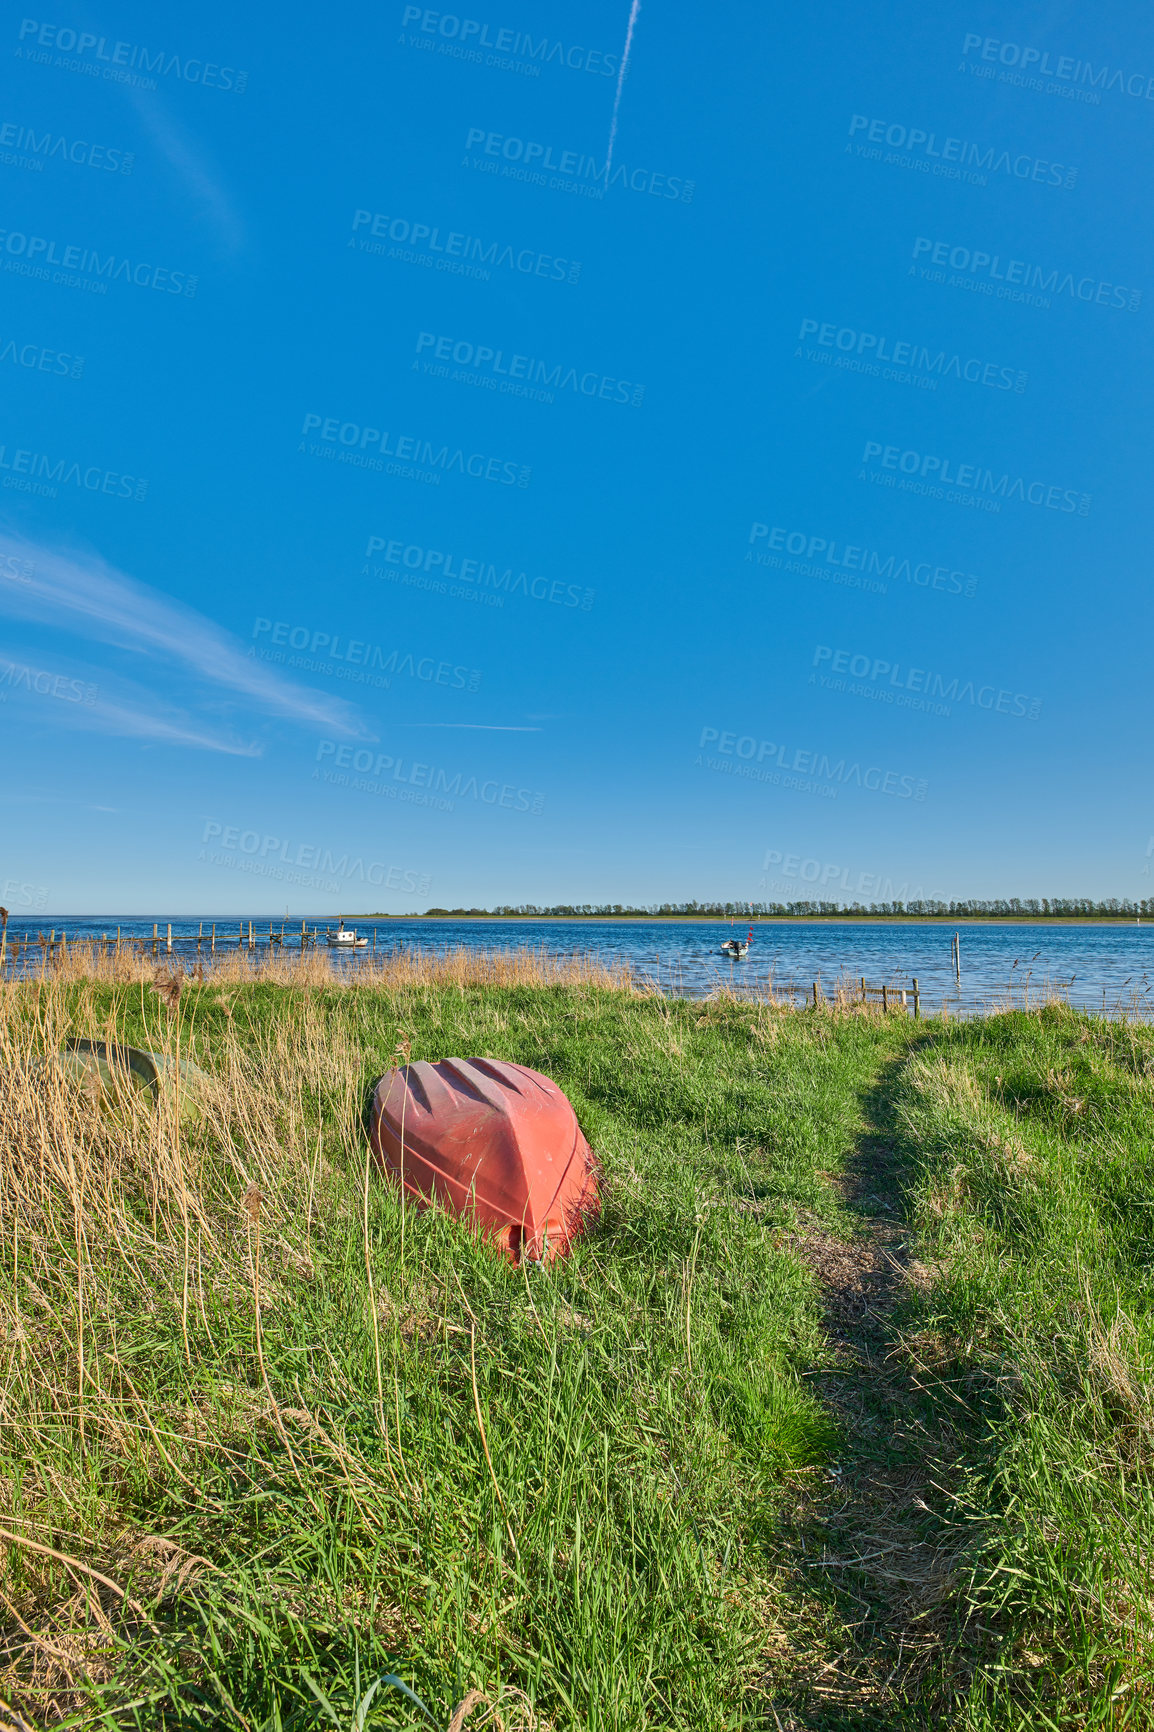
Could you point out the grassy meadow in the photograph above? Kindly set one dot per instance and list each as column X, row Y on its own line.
column 839, row 1417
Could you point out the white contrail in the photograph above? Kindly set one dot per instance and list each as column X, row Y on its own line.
column 484, row 727
column 634, row 10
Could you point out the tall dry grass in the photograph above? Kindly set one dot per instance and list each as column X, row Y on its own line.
column 123, row 1217
column 391, row 971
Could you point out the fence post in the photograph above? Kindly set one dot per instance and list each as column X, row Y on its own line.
column 885, row 996
column 917, row 1000
column 155, row 939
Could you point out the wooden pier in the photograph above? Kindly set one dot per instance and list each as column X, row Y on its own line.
column 22, row 953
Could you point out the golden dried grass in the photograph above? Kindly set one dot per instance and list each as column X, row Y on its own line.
column 392, row 971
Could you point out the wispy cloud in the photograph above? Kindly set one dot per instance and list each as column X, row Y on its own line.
column 83, row 594
column 147, row 723
column 68, row 698
column 189, row 162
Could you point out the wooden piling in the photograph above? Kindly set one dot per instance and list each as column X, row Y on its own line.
column 917, row 1000
column 155, row 939
column 212, row 946
column 168, row 941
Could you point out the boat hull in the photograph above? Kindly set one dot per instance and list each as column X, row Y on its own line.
column 496, row 1144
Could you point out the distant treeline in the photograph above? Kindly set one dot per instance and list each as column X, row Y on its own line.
column 1007, row 908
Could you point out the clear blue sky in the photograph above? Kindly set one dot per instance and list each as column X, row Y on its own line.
column 834, row 535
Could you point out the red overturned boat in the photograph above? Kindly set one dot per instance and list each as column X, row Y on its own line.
column 497, row 1144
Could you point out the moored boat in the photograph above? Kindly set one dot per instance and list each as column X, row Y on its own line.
column 345, row 938
column 737, row 947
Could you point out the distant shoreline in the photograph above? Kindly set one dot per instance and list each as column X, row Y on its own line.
column 321, row 920
column 955, row 920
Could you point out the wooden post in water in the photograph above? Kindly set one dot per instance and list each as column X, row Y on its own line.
column 958, row 957
column 863, row 988
column 199, row 937
column 3, row 936
column 240, row 936
column 168, row 941
column 917, row 1000
column 212, row 946
column 155, row 939
column 885, row 996
column 250, row 943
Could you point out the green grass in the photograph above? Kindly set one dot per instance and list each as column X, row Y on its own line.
column 688, row 1440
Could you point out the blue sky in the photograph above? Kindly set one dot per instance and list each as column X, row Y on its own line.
column 396, row 510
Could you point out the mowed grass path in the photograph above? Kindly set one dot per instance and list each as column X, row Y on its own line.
column 315, row 1437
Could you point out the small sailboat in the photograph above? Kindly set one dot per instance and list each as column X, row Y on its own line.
column 737, row 947
column 345, row 938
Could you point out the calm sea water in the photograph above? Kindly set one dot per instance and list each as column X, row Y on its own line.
column 1104, row 968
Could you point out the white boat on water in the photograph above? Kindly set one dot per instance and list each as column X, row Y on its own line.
column 736, row 948
column 345, row 938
